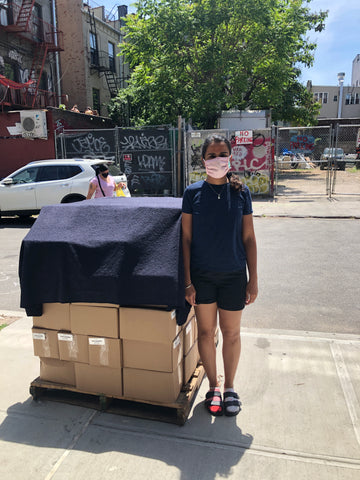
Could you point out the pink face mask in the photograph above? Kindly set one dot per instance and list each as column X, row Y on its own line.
column 217, row 167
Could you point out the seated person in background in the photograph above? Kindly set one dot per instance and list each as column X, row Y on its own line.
column 75, row 109
column 95, row 113
column 88, row 111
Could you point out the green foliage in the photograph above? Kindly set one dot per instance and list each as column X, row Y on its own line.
column 196, row 58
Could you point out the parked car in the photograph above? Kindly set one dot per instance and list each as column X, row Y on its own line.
column 47, row 182
column 335, row 155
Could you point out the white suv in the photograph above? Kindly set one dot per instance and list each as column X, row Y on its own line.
column 46, row 182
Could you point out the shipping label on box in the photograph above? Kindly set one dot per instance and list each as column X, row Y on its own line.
column 45, row 343
column 94, row 320
column 104, row 352
column 73, row 347
column 56, row 316
column 99, row 380
column 57, row 371
column 162, row 357
column 148, row 325
column 150, row 386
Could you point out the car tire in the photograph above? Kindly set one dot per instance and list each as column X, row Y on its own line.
column 322, row 166
column 73, row 199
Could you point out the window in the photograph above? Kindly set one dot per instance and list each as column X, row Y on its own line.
column 111, row 51
column 37, row 25
column 48, row 173
column 94, row 54
column 28, row 175
column 357, row 99
column 4, row 13
column 350, row 99
column 96, row 99
column 335, row 98
column 10, row 71
column 321, row 97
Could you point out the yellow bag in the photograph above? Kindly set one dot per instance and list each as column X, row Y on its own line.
column 120, row 193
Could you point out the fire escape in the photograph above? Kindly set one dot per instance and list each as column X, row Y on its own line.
column 100, row 62
column 44, row 39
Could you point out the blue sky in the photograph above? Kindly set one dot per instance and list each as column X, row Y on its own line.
column 338, row 44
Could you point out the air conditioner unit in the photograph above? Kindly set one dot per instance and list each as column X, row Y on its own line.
column 33, row 123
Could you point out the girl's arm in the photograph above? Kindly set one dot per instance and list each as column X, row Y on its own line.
column 186, row 225
column 249, row 241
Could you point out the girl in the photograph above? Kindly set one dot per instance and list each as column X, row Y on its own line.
column 218, row 244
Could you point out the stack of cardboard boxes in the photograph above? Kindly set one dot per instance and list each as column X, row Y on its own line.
column 131, row 353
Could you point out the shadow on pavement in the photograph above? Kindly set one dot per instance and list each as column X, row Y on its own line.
column 205, row 447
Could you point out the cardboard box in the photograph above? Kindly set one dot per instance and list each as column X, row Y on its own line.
column 56, row 316
column 150, row 386
column 99, row 380
column 45, row 343
column 57, row 371
column 190, row 334
column 105, row 352
column 190, row 362
column 73, row 347
column 148, row 325
column 100, row 321
column 162, row 357
column 87, row 304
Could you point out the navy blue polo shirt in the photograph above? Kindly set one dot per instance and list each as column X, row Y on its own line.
column 217, row 226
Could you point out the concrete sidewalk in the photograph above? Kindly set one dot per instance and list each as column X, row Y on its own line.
column 341, row 206
column 300, row 419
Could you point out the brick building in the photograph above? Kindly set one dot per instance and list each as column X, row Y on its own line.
column 91, row 70
column 29, row 46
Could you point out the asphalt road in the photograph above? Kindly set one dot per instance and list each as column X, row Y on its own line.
column 308, row 273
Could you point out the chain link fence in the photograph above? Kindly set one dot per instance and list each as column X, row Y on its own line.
column 346, row 176
column 299, row 157
column 285, row 161
column 252, row 158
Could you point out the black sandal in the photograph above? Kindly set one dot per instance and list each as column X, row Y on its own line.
column 231, row 403
column 213, row 399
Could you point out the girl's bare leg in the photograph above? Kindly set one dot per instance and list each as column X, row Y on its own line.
column 206, row 315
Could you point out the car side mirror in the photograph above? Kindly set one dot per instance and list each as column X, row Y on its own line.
column 8, row 181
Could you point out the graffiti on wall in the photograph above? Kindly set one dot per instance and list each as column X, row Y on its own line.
column 251, row 161
column 304, row 144
column 96, row 144
column 145, row 158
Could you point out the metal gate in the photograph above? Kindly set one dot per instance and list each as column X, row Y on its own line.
column 252, row 158
column 346, row 167
column 300, row 168
column 311, row 161
column 147, row 155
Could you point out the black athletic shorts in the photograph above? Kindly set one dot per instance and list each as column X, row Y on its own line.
column 228, row 290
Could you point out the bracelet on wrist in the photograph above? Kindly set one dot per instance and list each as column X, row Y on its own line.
column 188, row 286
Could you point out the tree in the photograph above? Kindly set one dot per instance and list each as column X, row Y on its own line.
column 197, row 58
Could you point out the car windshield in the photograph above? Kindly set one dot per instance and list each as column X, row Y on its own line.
column 333, row 151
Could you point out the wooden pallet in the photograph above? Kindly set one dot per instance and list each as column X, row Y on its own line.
column 176, row 412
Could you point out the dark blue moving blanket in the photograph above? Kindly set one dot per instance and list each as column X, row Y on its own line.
column 125, row 251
